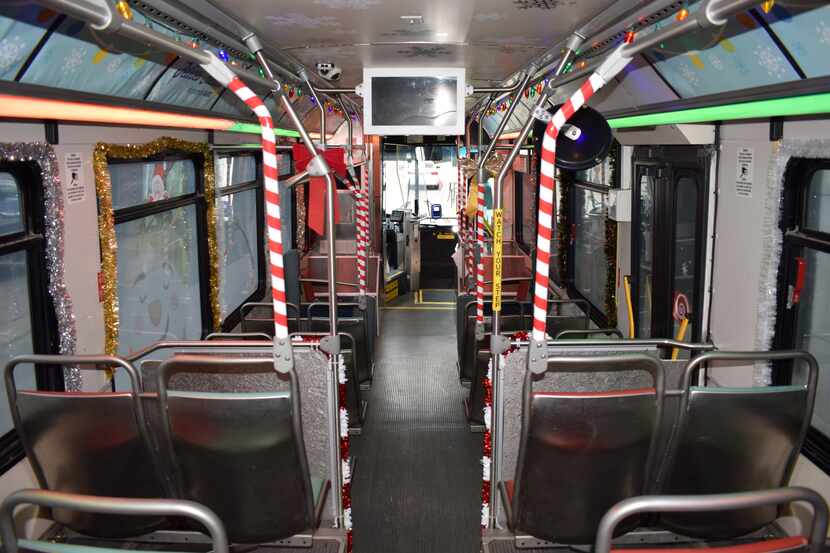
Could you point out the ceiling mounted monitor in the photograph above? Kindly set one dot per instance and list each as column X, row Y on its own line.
column 410, row 101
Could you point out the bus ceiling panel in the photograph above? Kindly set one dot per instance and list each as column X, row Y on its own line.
column 740, row 54
column 22, row 27
column 491, row 38
column 637, row 85
column 805, row 34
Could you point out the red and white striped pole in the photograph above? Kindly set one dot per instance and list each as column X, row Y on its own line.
column 459, row 210
column 609, row 68
column 222, row 73
column 362, row 215
column 480, row 251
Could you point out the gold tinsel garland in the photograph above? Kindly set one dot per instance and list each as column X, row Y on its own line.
column 106, row 222
column 563, row 226
column 611, row 244
column 493, row 165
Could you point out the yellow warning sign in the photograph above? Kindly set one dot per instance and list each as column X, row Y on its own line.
column 445, row 236
column 498, row 232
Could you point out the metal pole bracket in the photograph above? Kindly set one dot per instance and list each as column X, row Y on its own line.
column 541, row 114
column 283, row 355
column 537, row 357
column 499, row 344
column 362, row 303
column 114, row 20
column 330, row 344
column 318, row 167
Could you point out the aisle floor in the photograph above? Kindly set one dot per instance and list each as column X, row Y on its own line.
column 417, row 479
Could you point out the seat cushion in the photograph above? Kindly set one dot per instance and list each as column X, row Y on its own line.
column 778, row 545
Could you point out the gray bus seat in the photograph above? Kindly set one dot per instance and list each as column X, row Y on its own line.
column 589, row 333
column 123, row 508
column 259, row 317
column 718, row 503
column 735, row 440
column 582, row 452
column 241, row 454
column 85, row 443
column 567, row 315
column 350, row 319
column 247, row 336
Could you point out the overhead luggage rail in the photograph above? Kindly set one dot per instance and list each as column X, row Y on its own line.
column 122, row 506
column 70, row 447
column 588, row 449
column 258, row 434
column 752, row 435
column 718, row 503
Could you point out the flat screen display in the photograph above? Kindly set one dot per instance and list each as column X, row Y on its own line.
column 429, row 102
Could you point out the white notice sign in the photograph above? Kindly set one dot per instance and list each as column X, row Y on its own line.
column 75, row 191
column 746, row 170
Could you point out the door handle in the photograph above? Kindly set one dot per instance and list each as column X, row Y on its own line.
column 795, row 289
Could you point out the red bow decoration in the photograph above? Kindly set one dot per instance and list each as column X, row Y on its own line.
column 335, row 157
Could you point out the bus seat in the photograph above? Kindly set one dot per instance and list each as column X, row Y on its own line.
column 253, row 336
column 567, row 315
column 72, row 448
column 259, row 317
column 597, row 333
column 241, row 454
column 350, row 319
column 712, row 505
column 581, row 452
column 122, row 507
column 461, row 302
column 731, row 440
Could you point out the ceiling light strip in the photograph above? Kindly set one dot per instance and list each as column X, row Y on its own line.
column 27, row 107
column 810, row 104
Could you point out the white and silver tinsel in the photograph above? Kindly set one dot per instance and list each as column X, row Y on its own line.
column 53, row 223
column 772, row 241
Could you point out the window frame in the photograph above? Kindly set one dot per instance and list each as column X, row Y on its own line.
column 795, row 237
column 42, row 317
column 196, row 199
column 235, row 317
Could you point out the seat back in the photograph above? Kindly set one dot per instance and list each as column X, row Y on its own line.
column 582, row 452
column 89, row 443
column 736, row 440
column 350, row 319
column 244, row 336
column 598, row 333
column 125, row 507
column 258, row 317
column 567, row 315
column 240, row 454
column 718, row 503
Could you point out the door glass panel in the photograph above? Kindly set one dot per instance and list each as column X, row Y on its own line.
column 158, row 279
column 15, row 325
column 813, row 332
column 818, row 202
column 10, row 218
column 685, row 226
column 590, row 263
column 646, row 251
column 233, row 170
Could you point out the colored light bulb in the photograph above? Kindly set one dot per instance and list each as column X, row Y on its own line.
column 223, row 56
column 682, row 14
column 123, row 8
column 629, row 37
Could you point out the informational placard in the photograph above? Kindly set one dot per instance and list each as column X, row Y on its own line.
column 498, row 232
column 746, row 171
column 74, row 186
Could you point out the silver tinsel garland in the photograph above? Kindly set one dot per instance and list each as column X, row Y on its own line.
column 772, row 242
column 53, row 223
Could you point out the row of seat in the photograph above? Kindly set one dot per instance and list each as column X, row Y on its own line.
column 613, row 442
column 240, row 453
column 813, row 542
column 356, row 325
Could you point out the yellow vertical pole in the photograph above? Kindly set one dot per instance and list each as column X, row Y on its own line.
column 630, row 308
column 681, row 333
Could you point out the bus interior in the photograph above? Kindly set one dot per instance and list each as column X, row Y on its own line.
column 387, row 276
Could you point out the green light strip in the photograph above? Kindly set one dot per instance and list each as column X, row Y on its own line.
column 779, row 107
column 252, row 128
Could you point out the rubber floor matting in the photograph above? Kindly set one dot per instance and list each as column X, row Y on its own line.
column 417, row 481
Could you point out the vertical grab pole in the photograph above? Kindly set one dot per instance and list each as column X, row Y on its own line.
column 496, row 411
column 318, row 167
column 481, row 173
column 323, row 139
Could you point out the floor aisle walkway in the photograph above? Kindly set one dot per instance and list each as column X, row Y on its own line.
column 417, row 480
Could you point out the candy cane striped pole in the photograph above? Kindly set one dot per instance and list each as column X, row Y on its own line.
column 362, row 216
column 609, row 68
column 222, row 73
column 459, row 210
column 480, row 251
